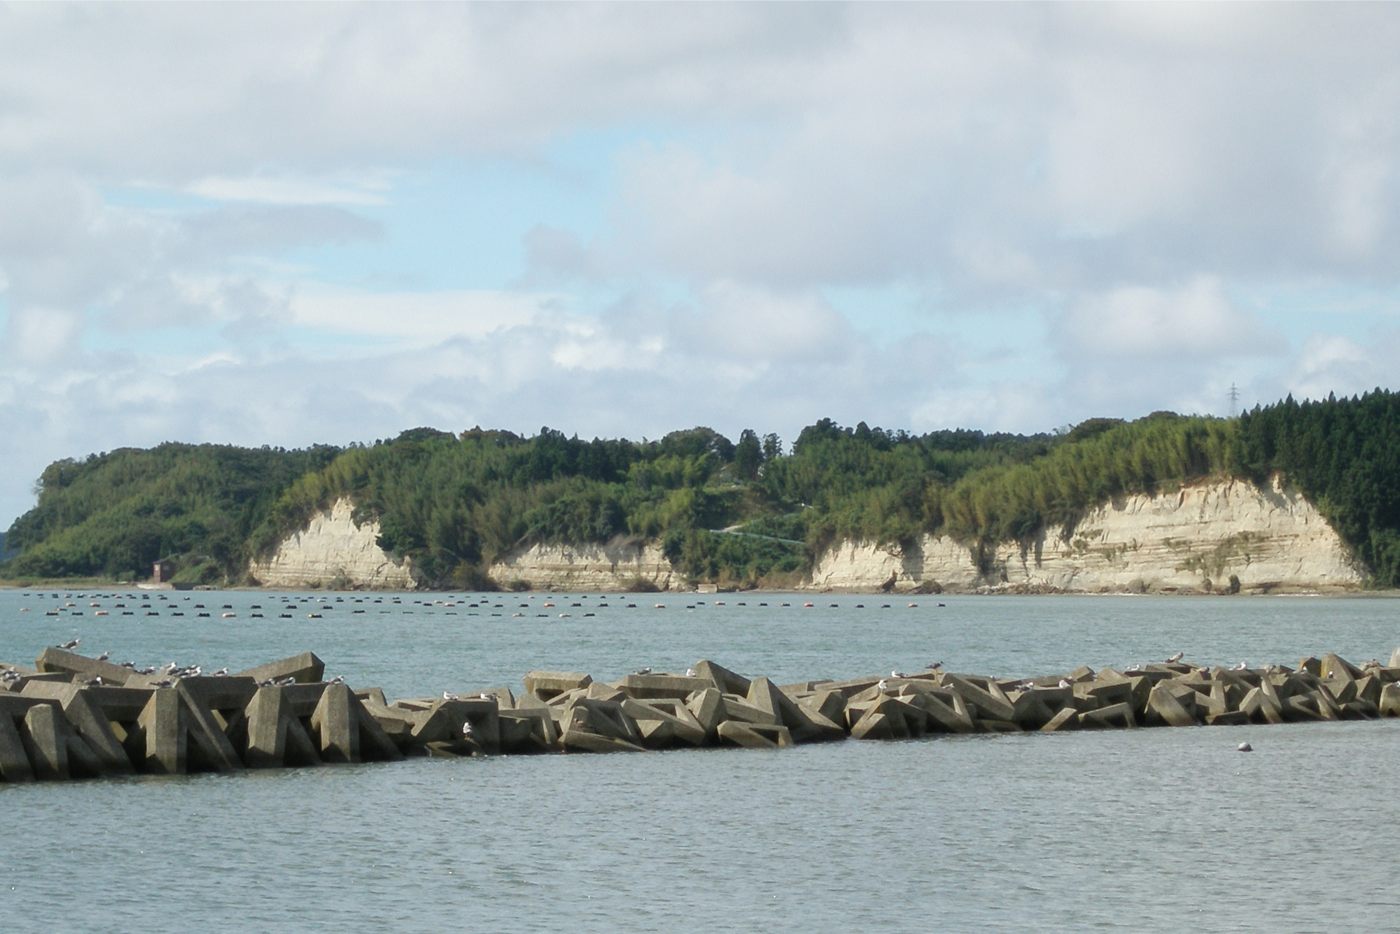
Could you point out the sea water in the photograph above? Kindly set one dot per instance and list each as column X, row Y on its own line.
column 1153, row 829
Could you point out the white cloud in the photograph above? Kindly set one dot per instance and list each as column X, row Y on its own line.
column 1196, row 319
column 366, row 190
column 1335, row 364
column 413, row 317
column 37, row 336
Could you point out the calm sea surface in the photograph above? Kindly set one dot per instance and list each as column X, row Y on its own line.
column 1162, row 829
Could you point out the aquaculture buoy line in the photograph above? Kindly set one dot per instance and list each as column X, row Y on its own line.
column 146, row 604
column 72, row 716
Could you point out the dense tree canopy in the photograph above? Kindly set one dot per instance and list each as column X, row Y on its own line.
column 738, row 514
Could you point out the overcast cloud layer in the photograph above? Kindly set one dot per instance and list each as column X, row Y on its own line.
column 286, row 224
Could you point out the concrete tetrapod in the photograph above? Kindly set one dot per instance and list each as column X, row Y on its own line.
column 60, row 721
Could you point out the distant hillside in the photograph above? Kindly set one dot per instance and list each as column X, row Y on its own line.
column 457, row 503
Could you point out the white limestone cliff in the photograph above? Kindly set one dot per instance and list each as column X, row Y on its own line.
column 614, row 566
column 332, row 551
column 1195, row 539
column 1192, row 540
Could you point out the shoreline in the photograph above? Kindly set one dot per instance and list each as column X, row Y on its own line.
column 1280, row 591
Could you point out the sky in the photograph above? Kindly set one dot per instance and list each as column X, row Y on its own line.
column 290, row 224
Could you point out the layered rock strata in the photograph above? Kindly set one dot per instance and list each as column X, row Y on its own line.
column 615, row 566
column 1194, row 539
column 333, row 551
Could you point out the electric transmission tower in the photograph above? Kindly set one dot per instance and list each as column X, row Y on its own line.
column 1234, row 400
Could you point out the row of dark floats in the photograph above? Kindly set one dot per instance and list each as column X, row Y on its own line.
column 77, row 717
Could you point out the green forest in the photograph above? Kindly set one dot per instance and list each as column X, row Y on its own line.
column 747, row 512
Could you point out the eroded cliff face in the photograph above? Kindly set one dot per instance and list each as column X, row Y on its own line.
column 1192, row 540
column 333, row 552
column 611, row 567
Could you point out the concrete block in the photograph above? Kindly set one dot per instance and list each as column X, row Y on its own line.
column 528, row 730
column 830, row 704
column 656, row 733
column 83, row 762
column 1227, row 718
column 1368, row 688
column 375, row 743
column 738, row 708
column 1105, row 693
column 17, row 705
column 1389, row 705
column 1395, row 659
column 14, row 759
column 225, row 693
column 1034, row 707
column 754, row 735
column 208, row 747
column 604, row 718
column 853, row 688
column 547, row 684
column 1336, row 668
column 161, row 734
column 305, row 668
column 575, row 735
column 605, row 692
column 505, row 700
column 678, row 723
column 91, row 724
column 302, row 699
column 45, row 739
column 727, row 681
column 119, row 704
column 1359, row 710
column 1261, row 706
column 879, row 724
column 373, row 695
column 1326, row 704
column 396, row 723
column 1312, row 665
column 988, row 701
column 1066, row 719
column 1119, row 715
column 444, row 722
column 336, row 726
column 890, row 718
column 1167, row 708
column 658, row 686
column 766, row 696
column 1299, row 707
column 944, row 711
column 274, row 737
column 62, row 661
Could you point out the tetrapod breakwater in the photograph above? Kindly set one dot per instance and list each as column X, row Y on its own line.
column 72, row 716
